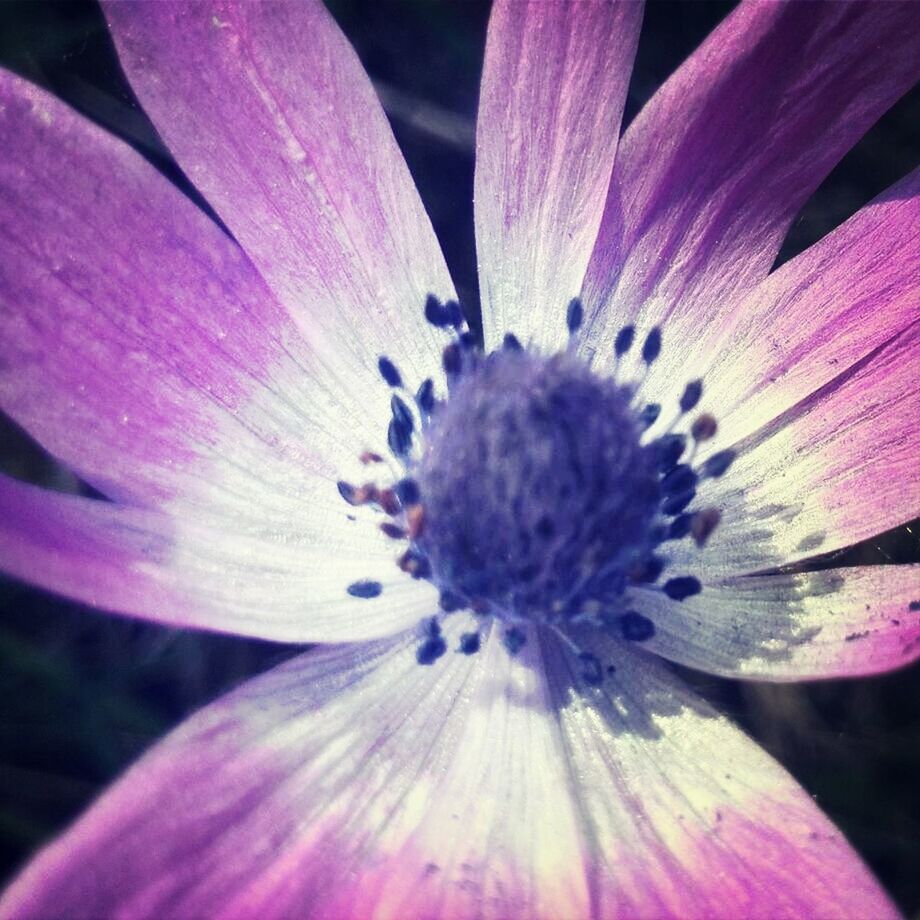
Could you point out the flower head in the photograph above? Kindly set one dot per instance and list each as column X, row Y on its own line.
column 301, row 438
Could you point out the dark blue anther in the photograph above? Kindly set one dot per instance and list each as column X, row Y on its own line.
column 468, row 340
column 682, row 587
column 399, row 437
column 636, row 628
column 365, row 589
column 430, row 650
column 624, row 340
column 718, row 463
column 574, row 315
column 511, row 343
column 347, row 491
column 680, row 479
column 393, row 531
column 389, row 372
column 680, row 527
column 591, row 671
column 669, row 448
column 692, row 393
column 436, row 313
column 401, row 412
column 454, row 313
column 652, row 347
column 407, row 491
column 649, row 415
column 429, row 628
column 452, row 359
column 469, row 643
column 450, row 602
column 513, row 640
column 676, row 503
column 649, row 569
column 425, row 396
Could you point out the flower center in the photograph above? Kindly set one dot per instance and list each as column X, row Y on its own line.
column 533, row 492
column 538, row 496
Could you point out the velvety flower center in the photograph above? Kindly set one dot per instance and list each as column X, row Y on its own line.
column 532, row 494
column 538, row 496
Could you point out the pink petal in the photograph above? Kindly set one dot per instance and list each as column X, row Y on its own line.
column 690, row 818
column 268, row 111
column 141, row 347
column 821, row 313
column 714, row 169
column 351, row 782
column 207, row 573
column 831, row 623
column 835, row 469
column 809, row 321
column 553, row 88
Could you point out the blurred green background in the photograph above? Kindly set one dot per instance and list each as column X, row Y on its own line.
column 83, row 693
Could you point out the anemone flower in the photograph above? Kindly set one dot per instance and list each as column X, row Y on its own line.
column 498, row 545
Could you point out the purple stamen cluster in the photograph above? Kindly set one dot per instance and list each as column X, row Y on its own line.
column 539, row 496
column 529, row 495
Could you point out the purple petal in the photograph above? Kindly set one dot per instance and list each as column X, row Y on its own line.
column 714, row 169
column 831, row 623
column 141, row 347
column 821, row 313
column 811, row 320
column 352, row 782
column 838, row 467
column 553, row 89
column 690, row 818
column 268, row 111
column 207, row 573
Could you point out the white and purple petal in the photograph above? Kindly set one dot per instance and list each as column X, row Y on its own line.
column 139, row 345
column 841, row 622
column 817, row 316
column 714, row 169
column 351, row 782
column 837, row 468
column 270, row 114
column 333, row 580
column 553, row 88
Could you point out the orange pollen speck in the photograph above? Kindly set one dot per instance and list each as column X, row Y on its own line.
column 415, row 518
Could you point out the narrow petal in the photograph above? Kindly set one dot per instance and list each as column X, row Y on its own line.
column 141, row 347
column 837, row 468
column 268, row 111
column 714, row 169
column 209, row 573
column 831, row 623
column 809, row 321
column 352, row 782
column 553, row 88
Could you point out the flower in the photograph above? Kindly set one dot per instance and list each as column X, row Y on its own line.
column 523, row 751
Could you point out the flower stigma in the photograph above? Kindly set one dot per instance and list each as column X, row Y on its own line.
column 531, row 493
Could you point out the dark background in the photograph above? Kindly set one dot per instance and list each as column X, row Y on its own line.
column 83, row 693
